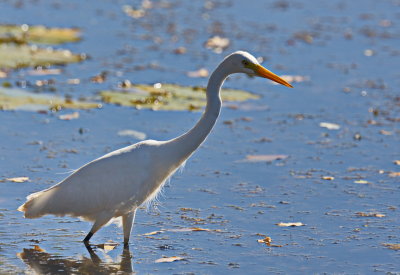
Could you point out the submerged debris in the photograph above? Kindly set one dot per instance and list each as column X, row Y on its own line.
column 169, row 259
column 370, row 214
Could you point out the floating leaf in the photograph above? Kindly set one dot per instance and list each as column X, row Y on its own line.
column 23, row 34
column 293, row 78
column 69, row 116
column 217, row 44
column 100, row 78
column 199, row 229
column 134, row 13
column 397, row 162
column 199, row 73
column 263, row 158
column 290, row 224
column 3, row 74
column 18, row 179
column 267, row 241
column 328, row 178
column 107, row 246
column 180, row 50
column 153, row 233
column 132, row 133
column 17, row 99
column 193, row 229
column 21, row 56
column 329, row 126
column 393, row 246
column 169, row 97
column 186, row 229
column 385, row 132
column 369, row 52
column 370, row 214
column 394, row 174
column 168, row 259
column 362, row 182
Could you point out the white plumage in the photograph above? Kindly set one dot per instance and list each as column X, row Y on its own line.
column 116, row 184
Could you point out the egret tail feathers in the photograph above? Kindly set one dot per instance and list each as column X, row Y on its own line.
column 36, row 203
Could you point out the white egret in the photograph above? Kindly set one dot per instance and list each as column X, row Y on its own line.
column 116, row 184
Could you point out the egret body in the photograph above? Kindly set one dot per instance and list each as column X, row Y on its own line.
column 116, row 184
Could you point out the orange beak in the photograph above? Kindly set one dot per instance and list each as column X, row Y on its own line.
column 263, row 72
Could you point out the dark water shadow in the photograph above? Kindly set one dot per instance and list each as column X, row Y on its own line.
column 42, row 262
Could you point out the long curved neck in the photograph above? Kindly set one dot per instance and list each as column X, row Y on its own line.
column 184, row 145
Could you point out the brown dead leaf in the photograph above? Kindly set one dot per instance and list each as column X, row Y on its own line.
column 267, row 241
column 132, row 12
column 397, row 162
column 293, row 79
column 328, row 178
column 153, row 233
column 69, row 116
column 370, row 214
column 187, row 209
column 100, row 78
column 18, row 179
column 385, row 133
column 168, row 259
column 262, row 158
column 393, row 246
column 199, row 73
column 107, row 246
column 290, row 224
column 180, row 50
column 188, row 229
column 199, row 229
column 394, row 174
column 217, row 44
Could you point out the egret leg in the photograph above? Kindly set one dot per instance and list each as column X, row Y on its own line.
column 127, row 222
column 88, row 236
column 102, row 220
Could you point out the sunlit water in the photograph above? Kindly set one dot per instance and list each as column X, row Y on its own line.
column 240, row 202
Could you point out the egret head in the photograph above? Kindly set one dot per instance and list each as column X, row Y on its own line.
column 243, row 62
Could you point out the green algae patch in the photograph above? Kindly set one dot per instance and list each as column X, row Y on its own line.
column 24, row 34
column 19, row 46
column 17, row 99
column 169, row 97
column 14, row 56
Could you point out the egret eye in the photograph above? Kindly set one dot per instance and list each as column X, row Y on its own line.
column 245, row 62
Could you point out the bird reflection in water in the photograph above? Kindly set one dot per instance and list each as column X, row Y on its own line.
column 42, row 262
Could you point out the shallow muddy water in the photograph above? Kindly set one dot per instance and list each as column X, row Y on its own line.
column 341, row 184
